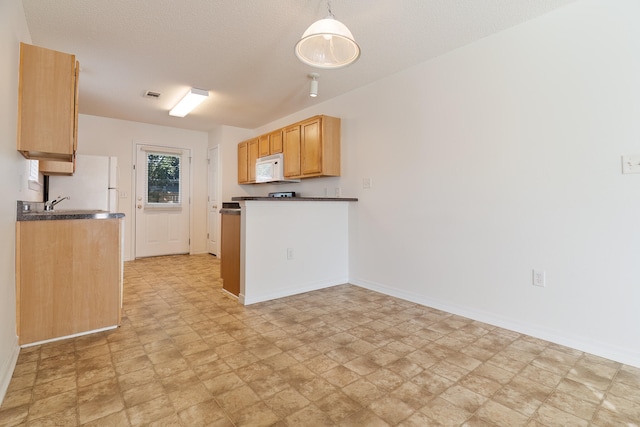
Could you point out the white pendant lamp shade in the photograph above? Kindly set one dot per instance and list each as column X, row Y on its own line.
column 327, row 43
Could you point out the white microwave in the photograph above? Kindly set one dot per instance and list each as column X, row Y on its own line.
column 271, row 169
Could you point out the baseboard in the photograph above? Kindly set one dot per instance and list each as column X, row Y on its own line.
column 622, row 355
column 6, row 369
column 79, row 334
column 289, row 292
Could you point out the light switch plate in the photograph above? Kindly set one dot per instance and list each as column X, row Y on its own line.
column 631, row 164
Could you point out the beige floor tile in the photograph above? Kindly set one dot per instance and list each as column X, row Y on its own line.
column 143, row 393
column 203, row 413
column 136, row 378
column 119, row 419
column 53, row 405
column 500, row 415
column 445, row 412
column 151, row 410
column 309, row 415
column 237, row 399
column 66, row 417
column 188, row 396
column 99, row 400
column 552, row 416
column 463, row 398
column 186, row 354
column 14, row 415
column 572, row 405
column 391, row 409
column 287, row 402
column 338, row 406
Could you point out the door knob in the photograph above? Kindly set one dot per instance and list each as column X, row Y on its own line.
column 139, row 206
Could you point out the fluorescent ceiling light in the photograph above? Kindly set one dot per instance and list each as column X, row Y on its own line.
column 190, row 101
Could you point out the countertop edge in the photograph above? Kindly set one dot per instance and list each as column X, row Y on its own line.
column 40, row 215
column 294, row 199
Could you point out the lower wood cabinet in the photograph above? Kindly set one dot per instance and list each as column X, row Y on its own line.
column 230, row 253
column 68, row 277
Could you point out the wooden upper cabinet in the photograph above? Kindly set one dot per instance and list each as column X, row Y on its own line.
column 292, row 151
column 264, row 148
column 254, row 153
column 47, row 104
column 248, row 153
column 275, row 141
column 319, row 147
column 52, row 167
column 243, row 161
column 311, row 148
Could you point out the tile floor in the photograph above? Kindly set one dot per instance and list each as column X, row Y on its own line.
column 186, row 355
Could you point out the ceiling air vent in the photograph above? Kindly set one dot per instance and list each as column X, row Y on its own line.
column 150, row 94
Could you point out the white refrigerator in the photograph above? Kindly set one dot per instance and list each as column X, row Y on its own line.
column 93, row 186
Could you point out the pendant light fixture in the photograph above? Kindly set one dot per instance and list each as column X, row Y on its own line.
column 327, row 43
column 313, row 87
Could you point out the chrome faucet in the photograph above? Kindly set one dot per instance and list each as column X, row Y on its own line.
column 48, row 206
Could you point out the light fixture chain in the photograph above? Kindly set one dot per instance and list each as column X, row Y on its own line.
column 329, row 11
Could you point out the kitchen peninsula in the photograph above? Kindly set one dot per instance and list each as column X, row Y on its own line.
column 68, row 272
column 292, row 245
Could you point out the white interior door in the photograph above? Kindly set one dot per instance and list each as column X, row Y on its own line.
column 162, row 200
column 213, row 216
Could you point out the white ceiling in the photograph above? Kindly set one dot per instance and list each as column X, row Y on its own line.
column 242, row 50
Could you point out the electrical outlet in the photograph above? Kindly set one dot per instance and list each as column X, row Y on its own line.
column 289, row 253
column 631, row 164
column 338, row 192
column 539, row 278
column 366, row 183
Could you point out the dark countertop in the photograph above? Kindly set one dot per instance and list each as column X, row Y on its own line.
column 36, row 213
column 225, row 211
column 295, row 199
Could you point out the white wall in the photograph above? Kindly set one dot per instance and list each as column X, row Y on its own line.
column 227, row 139
column 111, row 137
column 498, row 158
column 13, row 179
column 316, row 232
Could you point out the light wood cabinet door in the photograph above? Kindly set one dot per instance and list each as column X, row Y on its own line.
column 264, row 149
column 68, row 277
column 47, row 104
column 230, row 247
column 254, row 153
column 243, row 161
column 311, row 148
column 292, row 152
column 52, row 167
column 275, row 141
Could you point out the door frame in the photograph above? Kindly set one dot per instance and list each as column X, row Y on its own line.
column 218, row 183
column 134, row 157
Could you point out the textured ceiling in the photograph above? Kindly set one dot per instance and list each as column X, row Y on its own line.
column 242, row 50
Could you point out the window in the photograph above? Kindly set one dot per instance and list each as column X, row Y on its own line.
column 162, row 181
column 34, row 175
